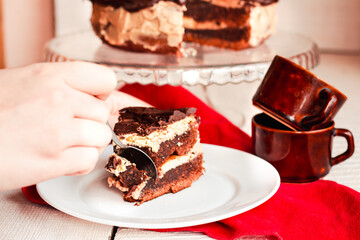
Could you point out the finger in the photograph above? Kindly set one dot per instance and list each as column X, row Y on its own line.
column 78, row 159
column 89, row 107
column 84, row 132
column 88, row 77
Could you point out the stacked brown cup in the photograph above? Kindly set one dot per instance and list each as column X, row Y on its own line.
column 295, row 133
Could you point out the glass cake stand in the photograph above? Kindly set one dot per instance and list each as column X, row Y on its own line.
column 201, row 65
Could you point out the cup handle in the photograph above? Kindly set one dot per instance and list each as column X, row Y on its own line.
column 326, row 111
column 350, row 148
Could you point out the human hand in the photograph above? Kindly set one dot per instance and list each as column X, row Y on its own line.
column 52, row 120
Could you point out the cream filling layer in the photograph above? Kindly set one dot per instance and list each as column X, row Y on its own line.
column 154, row 139
column 117, row 26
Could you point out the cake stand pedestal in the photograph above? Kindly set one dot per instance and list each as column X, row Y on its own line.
column 221, row 77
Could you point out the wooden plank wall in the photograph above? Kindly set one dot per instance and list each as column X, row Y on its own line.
column 2, row 58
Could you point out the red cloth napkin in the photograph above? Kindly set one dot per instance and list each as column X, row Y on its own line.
column 318, row 210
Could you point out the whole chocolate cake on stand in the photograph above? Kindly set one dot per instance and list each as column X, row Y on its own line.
column 158, row 25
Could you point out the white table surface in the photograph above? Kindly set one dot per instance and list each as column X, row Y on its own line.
column 21, row 219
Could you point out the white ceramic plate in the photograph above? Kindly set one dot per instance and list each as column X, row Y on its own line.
column 234, row 182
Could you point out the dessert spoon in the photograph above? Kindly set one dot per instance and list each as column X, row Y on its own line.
column 135, row 155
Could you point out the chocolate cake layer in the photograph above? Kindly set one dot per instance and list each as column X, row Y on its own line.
column 228, row 34
column 133, row 5
column 173, row 181
column 216, row 41
column 202, row 11
column 162, row 48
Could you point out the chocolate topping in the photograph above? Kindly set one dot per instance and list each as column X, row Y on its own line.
column 146, row 120
column 133, row 5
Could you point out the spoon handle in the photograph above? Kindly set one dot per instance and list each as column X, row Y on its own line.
column 115, row 138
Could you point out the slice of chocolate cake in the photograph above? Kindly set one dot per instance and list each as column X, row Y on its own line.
column 234, row 24
column 170, row 138
column 145, row 26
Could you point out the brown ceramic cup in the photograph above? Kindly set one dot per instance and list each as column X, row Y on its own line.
column 298, row 156
column 296, row 97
